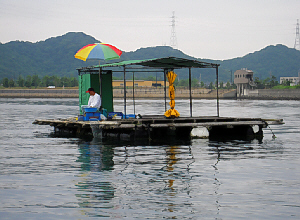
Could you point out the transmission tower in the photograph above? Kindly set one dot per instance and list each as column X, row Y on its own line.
column 173, row 39
column 297, row 40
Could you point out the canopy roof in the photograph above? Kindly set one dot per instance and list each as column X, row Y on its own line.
column 161, row 63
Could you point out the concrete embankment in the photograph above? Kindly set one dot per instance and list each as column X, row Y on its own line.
column 264, row 94
column 118, row 93
column 179, row 93
column 39, row 93
column 272, row 94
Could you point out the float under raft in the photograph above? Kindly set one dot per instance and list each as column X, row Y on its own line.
column 154, row 128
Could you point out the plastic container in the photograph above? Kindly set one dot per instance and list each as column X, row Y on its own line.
column 89, row 114
column 90, row 109
column 96, row 114
column 113, row 115
column 94, row 119
column 129, row 116
column 80, row 118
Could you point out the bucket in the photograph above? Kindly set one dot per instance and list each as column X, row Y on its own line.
column 90, row 109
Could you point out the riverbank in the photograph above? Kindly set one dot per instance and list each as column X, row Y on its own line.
column 118, row 93
column 271, row 94
column 153, row 93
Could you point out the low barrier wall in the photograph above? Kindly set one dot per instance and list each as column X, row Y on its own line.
column 39, row 93
column 118, row 93
column 280, row 94
column 284, row 94
column 179, row 93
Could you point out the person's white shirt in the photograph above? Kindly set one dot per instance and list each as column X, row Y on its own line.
column 94, row 101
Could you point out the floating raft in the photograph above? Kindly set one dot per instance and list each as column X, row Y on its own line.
column 158, row 128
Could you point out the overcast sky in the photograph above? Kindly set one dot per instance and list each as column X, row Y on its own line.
column 213, row 29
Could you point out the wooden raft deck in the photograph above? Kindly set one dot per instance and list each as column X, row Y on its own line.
column 154, row 127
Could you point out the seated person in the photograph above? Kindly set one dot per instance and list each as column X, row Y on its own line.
column 94, row 100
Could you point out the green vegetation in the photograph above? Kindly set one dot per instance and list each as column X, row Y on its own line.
column 195, row 83
column 286, row 87
column 35, row 82
column 267, row 83
column 55, row 57
column 52, row 57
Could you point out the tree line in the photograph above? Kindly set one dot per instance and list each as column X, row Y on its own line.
column 35, row 81
column 267, row 83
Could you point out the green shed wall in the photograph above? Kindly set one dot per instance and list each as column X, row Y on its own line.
column 92, row 80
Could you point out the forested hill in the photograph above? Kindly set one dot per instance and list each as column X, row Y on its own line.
column 279, row 61
column 55, row 56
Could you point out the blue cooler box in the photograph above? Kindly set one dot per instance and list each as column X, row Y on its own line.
column 129, row 116
column 114, row 114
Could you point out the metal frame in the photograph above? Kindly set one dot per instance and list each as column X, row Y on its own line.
column 156, row 65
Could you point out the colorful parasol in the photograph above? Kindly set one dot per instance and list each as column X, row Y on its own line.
column 172, row 112
column 98, row 51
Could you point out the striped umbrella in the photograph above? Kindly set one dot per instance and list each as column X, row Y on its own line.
column 98, row 51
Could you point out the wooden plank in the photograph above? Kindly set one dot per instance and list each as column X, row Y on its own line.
column 207, row 124
column 274, row 121
column 160, row 122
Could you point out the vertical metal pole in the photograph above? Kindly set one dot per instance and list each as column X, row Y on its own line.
column 80, row 91
column 125, row 91
column 165, row 72
column 217, row 75
column 100, row 82
column 133, row 93
column 190, row 87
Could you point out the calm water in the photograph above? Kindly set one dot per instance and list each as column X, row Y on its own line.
column 67, row 178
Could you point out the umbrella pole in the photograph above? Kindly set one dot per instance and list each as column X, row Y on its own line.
column 100, row 81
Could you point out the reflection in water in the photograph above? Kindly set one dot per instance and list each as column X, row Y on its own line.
column 95, row 157
column 216, row 181
column 133, row 176
column 94, row 191
column 227, row 152
column 164, row 178
column 237, row 149
column 171, row 152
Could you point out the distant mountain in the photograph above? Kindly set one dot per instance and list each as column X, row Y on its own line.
column 279, row 61
column 55, row 56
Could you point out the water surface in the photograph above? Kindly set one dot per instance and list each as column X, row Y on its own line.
column 42, row 177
